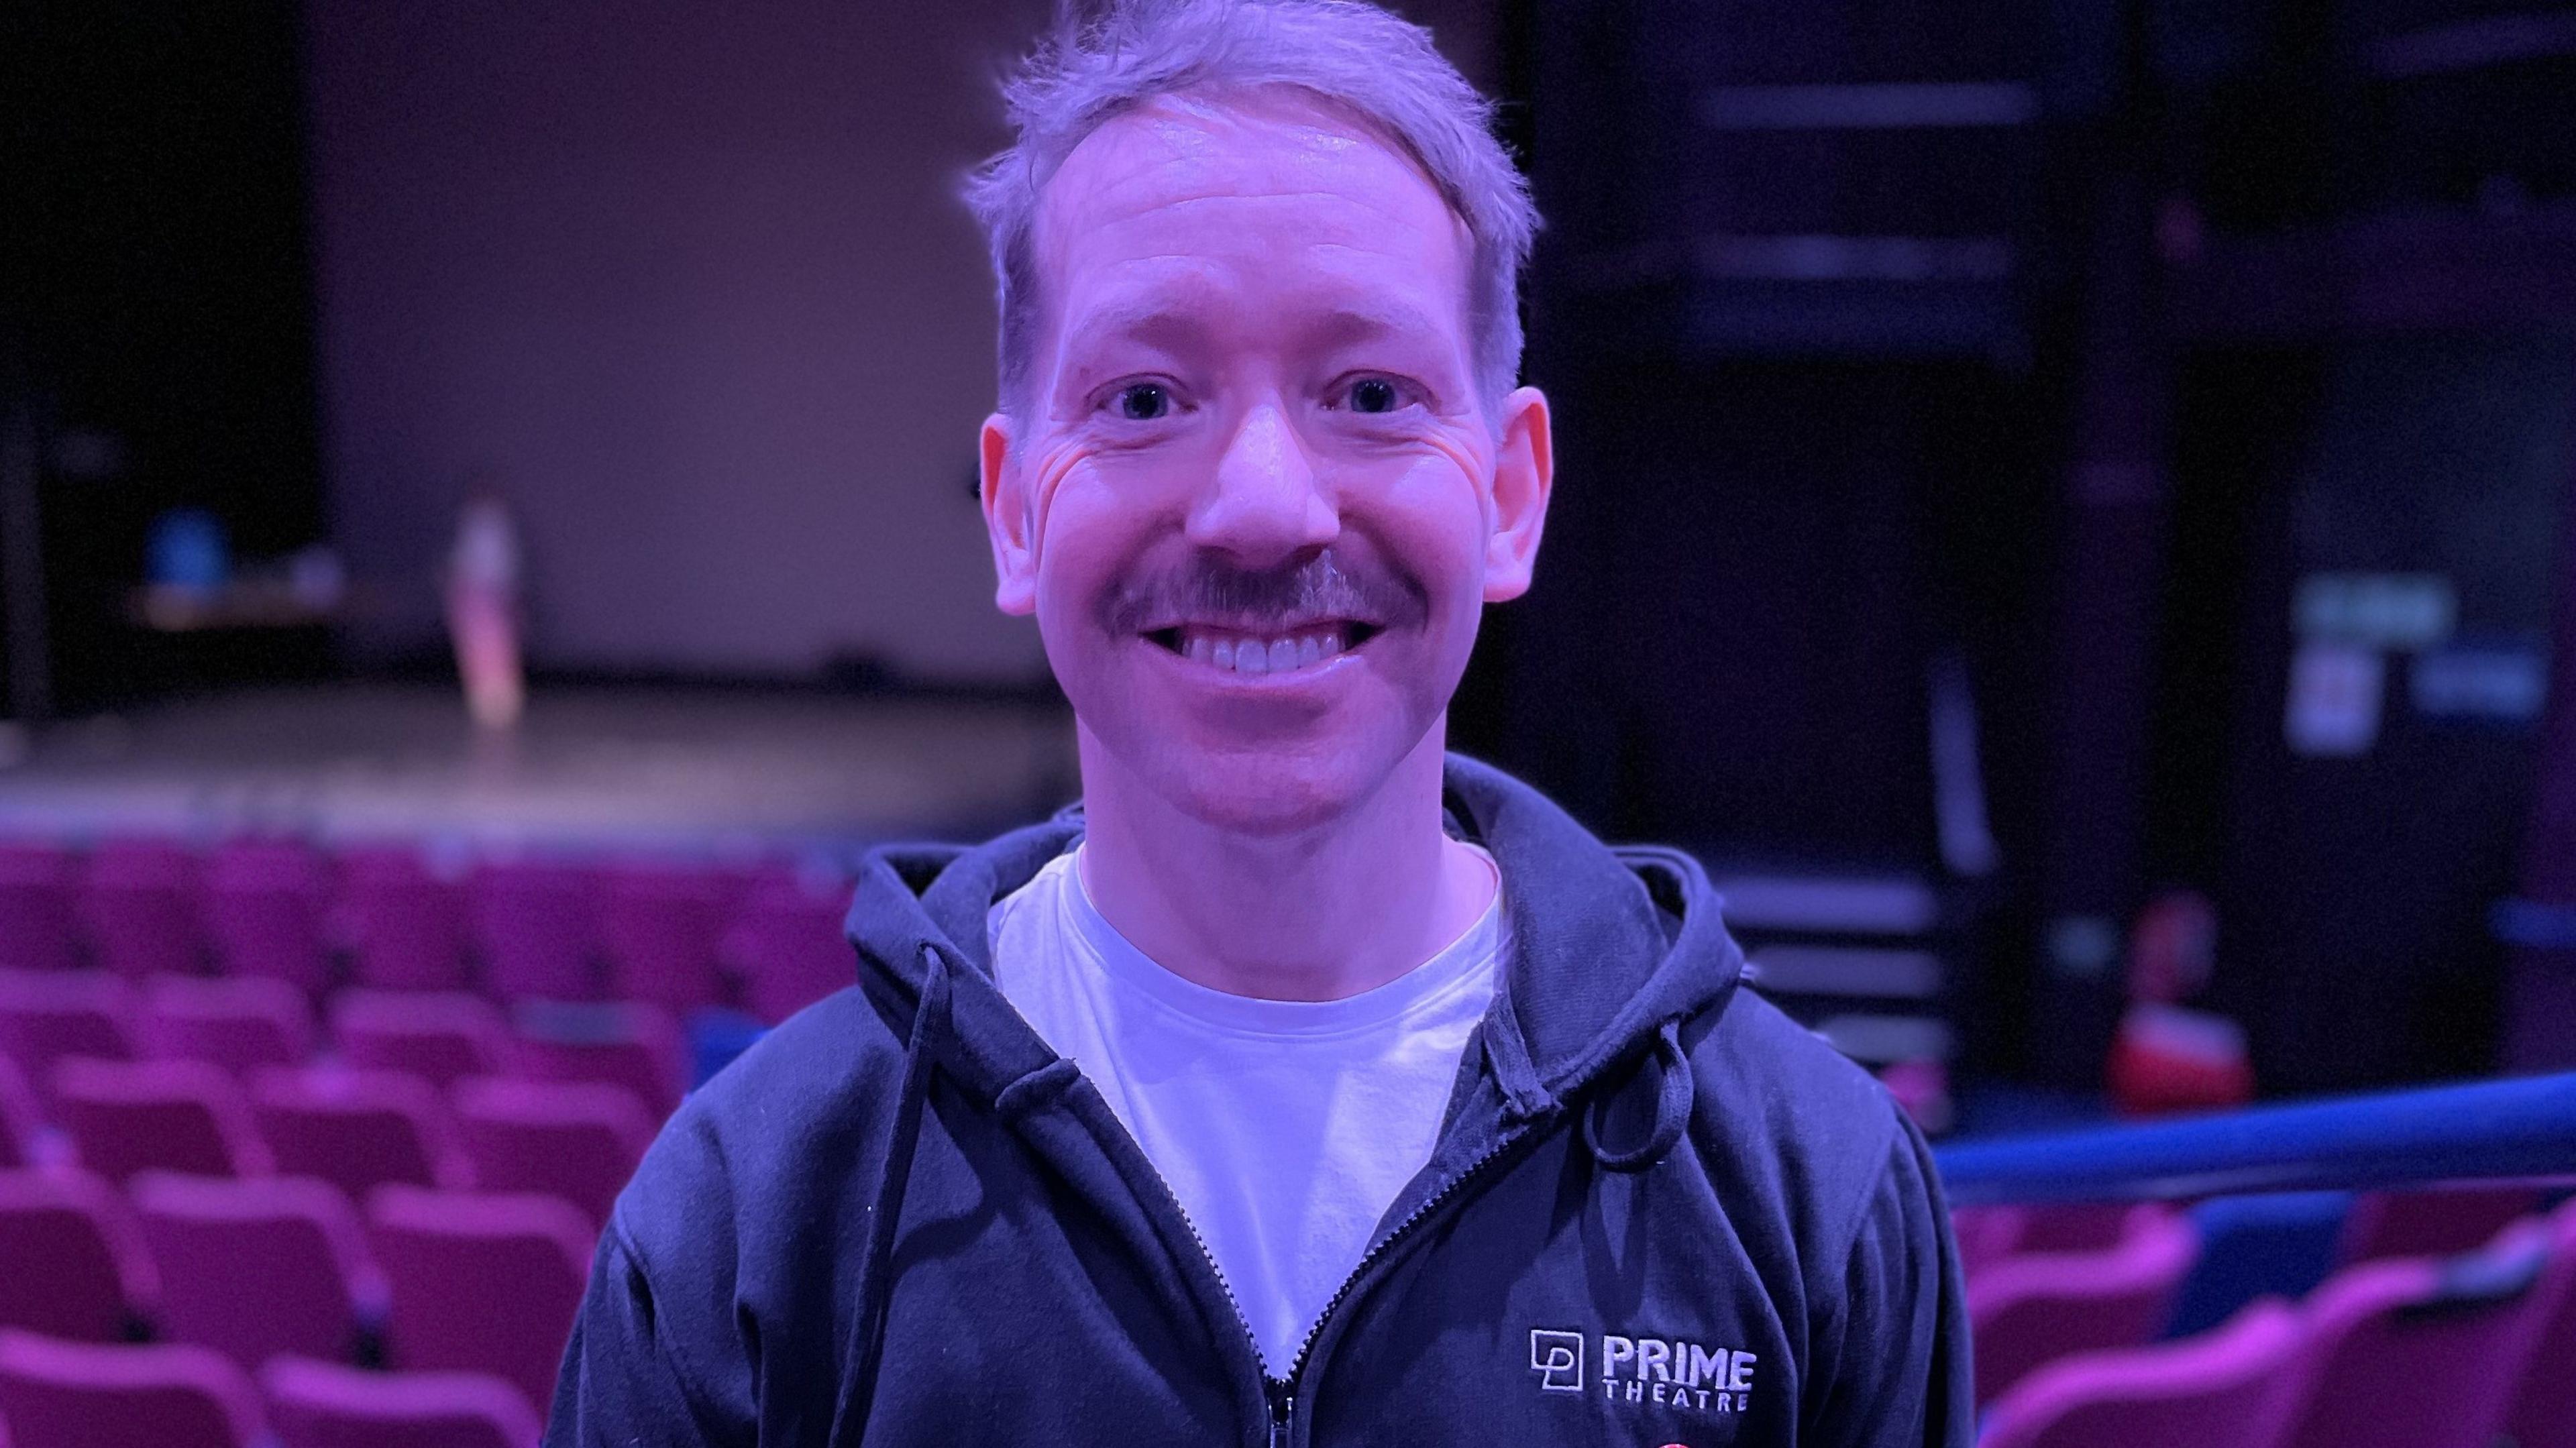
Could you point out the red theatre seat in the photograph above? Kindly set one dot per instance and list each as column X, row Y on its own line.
column 77, row 1267
column 579, row 1140
column 449, row 1257
column 265, row 907
column 325, row 1405
column 256, row 1268
column 38, row 883
column 439, row 1036
column 131, row 1116
column 2216, row 1390
column 2455, row 1338
column 79, row 1395
column 240, row 1023
column 47, row 1015
column 141, row 906
column 538, row 925
column 624, row 1044
column 661, row 926
column 405, row 920
column 358, row 1130
column 2027, row 1310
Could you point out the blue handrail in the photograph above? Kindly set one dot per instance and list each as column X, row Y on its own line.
column 2513, row 1129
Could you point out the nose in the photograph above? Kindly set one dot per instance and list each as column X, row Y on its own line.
column 1263, row 506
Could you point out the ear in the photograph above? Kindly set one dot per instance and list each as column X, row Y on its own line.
column 1523, row 471
column 1006, row 519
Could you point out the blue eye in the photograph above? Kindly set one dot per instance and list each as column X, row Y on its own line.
column 1143, row 402
column 1375, row 394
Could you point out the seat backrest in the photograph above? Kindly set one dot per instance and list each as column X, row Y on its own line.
column 2431, row 1222
column 579, row 1140
column 141, row 906
column 84, row 1395
column 2031, row 1308
column 660, row 926
column 259, row 1267
column 2271, row 1244
column 625, row 1044
column 538, row 926
column 77, row 1267
column 328, row 1405
column 406, row 921
column 786, row 944
column 131, row 1116
column 481, row 1282
column 265, row 904
column 2216, row 1390
column 2413, row 1351
column 2544, row 1405
column 47, row 1015
column 38, row 884
column 439, row 1036
column 21, row 1119
column 357, row 1129
column 239, row 1023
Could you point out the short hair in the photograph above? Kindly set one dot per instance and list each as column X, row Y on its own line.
column 1350, row 53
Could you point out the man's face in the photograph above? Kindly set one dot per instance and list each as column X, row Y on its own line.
column 1257, row 504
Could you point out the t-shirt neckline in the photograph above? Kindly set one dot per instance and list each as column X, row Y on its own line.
column 1457, row 966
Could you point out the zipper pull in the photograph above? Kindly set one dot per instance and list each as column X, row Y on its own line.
column 1283, row 1411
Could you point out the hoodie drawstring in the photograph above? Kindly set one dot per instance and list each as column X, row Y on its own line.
column 859, row 1384
column 1674, row 1093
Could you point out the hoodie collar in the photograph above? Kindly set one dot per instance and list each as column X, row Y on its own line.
column 1609, row 944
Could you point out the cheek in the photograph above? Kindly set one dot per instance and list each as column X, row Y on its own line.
column 1437, row 513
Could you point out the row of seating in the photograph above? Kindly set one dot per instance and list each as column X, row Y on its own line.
column 763, row 938
column 245, row 1024
column 2421, row 1351
column 255, row 1270
column 75, row 1395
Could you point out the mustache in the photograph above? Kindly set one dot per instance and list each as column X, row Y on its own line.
column 1211, row 591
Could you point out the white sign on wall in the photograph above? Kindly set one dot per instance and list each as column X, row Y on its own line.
column 2335, row 694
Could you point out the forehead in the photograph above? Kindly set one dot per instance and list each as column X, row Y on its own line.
column 1210, row 197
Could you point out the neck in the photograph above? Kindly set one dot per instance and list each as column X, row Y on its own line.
column 1316, row 914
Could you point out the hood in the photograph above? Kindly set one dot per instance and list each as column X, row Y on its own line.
column 1613, row 947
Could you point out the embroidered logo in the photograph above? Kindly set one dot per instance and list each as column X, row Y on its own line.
column 1673, row 1372
column 1557, row 1358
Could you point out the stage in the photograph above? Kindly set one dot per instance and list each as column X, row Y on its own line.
column 654, row 769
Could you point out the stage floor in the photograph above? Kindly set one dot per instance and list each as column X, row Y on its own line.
column 649, row 769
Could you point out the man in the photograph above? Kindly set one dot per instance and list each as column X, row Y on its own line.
column 1304, row 1085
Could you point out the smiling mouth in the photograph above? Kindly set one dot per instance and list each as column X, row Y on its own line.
column 1238, row 652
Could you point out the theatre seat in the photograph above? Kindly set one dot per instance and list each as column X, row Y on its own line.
column 2217, row 1390
column 239, row 1023
column 56, row 1394
column 37, row 889
column 439, row 1036
column 538, row 926
column 406, row 922
column 2413, row 1351
column 47, row 1015
column 328, row 1405
column 660, row 926
column 579, row 1140
column 260, row 1267
column 786, row 943
column 2431, row 1222
column 2544, row 1406
column 141, row 908
column 2032, row 1308
column 76, row 1266
column 358, row 1130
column 450, row 1256
column 625, row 1044
column 266, row 902
column 130, row 1116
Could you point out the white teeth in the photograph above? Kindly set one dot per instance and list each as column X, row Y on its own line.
column 1262, row 656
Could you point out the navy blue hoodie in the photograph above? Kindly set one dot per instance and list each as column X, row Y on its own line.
column 1658, row 1213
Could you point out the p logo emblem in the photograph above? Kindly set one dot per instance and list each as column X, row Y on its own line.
column 1557, row 1358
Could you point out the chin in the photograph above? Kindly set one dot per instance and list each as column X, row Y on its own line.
column 1269, row 790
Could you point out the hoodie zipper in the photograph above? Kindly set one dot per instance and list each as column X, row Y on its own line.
column 1283, row 1401
column 1281, row 1393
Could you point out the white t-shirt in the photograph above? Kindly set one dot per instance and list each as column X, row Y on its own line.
column 1285, row 1128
